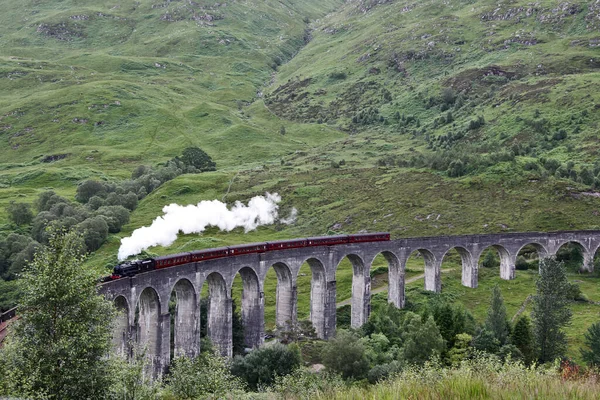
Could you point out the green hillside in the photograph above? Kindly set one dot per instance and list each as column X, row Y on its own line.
column 423, row 118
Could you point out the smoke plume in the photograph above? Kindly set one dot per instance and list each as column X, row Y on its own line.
column 261, row 210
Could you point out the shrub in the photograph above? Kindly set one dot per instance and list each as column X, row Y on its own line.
column 19, row 213
column 262, row 365
column 345, row 354
column 88, row 189
column 197, row 158
column 521, row 264
column 207, row 375
column 95, row 232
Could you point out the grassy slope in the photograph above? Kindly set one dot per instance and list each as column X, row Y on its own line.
column 108, row 70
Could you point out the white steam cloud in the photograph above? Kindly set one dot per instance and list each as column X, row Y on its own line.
column 261, row 210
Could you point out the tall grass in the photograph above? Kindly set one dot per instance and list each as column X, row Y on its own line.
column 480, row 378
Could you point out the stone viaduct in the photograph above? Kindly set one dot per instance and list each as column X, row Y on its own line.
column 144, row 298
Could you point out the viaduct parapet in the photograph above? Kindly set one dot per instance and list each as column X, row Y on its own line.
column 149, row 293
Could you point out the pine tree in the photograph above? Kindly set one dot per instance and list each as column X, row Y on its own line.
column 591, row 354
column 496, row 321
column 550, row 312
column 59, row 347
column 522, row 337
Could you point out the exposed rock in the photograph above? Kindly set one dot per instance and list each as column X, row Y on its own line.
column 54, row 157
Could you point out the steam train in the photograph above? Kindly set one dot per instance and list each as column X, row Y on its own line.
column 131, row 268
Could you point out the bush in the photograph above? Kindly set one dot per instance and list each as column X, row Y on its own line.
column 206, row 375
column 345, row 354
column 115, row 217
column 197, row 158
column 88, row 189
column 261, row 366
column 95, row 232
column 521, row 264
column 19, row 213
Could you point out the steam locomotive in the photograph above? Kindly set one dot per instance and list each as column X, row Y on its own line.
column 131, row 268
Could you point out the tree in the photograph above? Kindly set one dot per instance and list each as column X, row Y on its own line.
column 262, row 365
column 550, row 312
column 490, row 260
column 522, row 337
column 88, row 189
column 591, row 352
column 422, row 340
column 59, row 347
column 197, row 158
column 19, row 213
column 345, row 354
column 496, row 321
column 95, row 232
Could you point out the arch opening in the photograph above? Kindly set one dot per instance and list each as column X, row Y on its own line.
column 576, row 257
column 353, row 291
column 280, row 310
column 528, row 257
column 387, row 276
column 248, row 323
column 184, row 313
column 148, row 326
column 121, row 332
column 311, row 286
column 459, row 259
column 492, row 260
column 422, row 264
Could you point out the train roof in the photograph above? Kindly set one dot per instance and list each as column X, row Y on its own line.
column 209, row 250
column 243, row 246
column 172, row 256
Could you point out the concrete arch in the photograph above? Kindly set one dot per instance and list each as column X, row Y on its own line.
column 470, row 270
column 121, row 332
column 219, row 313
column 285, row 309
column 587, row 264
column 433, row 281
column 186, row 319
column 252, row 307
column 149, row 329
column 318, row 295
column 507, row 261
column 540, row 248
column 396, row 271
column 361, row 290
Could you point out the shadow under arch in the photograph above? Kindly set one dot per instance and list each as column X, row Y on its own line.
column 252, row 308
column 148, row 328
column 121, row 332
column 285, row 303
column 576, row 255
column 219, row 313
column 186, row 319
column 541, row 250
column 469, row 267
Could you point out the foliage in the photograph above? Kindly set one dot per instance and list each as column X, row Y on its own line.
column 197, row 158
column 305, row 384
column 522, row 337
column 59, row 347
column 490, row 260
column 591, row 352
column 262, row 365
column 550, row 312
column 460, row 350
column 345, row 354
column 130, row 378
column 496, row 321
column 486, row 341
column 422, row 340
column 19, row 213
column 207, row 374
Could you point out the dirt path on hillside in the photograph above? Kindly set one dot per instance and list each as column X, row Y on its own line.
column 384, row 288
